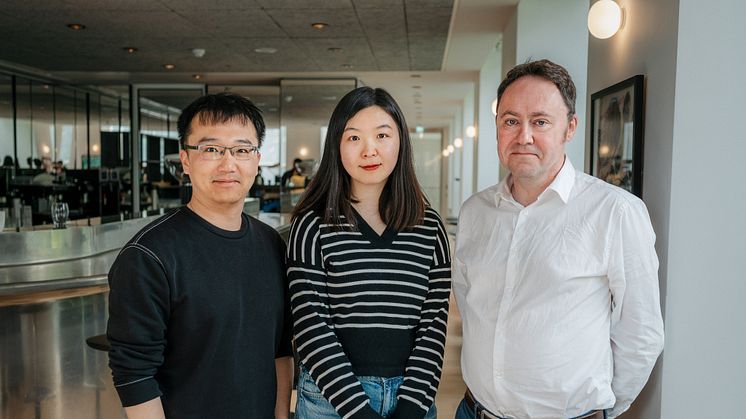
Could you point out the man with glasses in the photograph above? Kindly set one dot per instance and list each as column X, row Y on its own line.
column 199, row 323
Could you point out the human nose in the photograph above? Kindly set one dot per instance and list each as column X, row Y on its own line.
column 370, row 147
column 526, row 136
column 227, row 160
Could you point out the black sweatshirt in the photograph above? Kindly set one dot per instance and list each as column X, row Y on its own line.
column 197, row 316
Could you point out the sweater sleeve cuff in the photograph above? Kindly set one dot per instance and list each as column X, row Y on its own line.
column 138, row 392
column 406, row 409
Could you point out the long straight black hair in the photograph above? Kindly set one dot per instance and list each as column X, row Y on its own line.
column 402, row 202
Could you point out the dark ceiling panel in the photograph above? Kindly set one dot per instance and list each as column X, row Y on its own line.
column 392, row 35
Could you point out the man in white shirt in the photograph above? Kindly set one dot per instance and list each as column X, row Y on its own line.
column 555, row 272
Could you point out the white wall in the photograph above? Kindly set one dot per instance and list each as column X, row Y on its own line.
column 557, row 30
column 427, row 164
column 705, row 362
column 646, row 45
column 693, row 187
column 466, row 153
column 488, row 164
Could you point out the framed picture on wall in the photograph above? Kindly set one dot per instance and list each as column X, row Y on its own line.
column 617, row 134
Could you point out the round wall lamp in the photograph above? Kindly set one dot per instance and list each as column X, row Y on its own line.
column 471, row 131
column 605, row 18
column 450, row 148
column 445, row 153
column 458, row 142
column 494, row 107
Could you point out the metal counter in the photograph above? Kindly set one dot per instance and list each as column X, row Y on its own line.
column 46, row 369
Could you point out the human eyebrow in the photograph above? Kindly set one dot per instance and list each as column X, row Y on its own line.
column 384, row 126
column 508, row 113
column 540, row 114
column 350, row 129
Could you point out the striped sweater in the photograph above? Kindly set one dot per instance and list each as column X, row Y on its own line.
column 370, row 305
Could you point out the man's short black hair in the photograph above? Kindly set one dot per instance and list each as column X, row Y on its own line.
column 220, row 108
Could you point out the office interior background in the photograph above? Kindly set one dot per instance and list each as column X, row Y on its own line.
column 90, row 92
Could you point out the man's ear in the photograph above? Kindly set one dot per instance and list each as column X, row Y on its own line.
column 571, row 127
column 184, row 157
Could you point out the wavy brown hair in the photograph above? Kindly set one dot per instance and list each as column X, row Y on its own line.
column 402, row 202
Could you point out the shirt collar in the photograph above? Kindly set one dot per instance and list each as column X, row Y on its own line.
column 561, row 185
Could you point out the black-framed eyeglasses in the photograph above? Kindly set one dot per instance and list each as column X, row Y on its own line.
column 216, row 152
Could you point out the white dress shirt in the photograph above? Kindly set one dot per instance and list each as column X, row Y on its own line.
column 559, row 299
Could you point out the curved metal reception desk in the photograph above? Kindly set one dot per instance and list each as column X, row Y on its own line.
column 53, row 296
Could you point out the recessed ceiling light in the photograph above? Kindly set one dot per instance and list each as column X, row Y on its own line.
column 169, row 66
column 265, row 50
column 197, row 76
column 334, row 49
column 76, row 26
column 319, row 25
column 130, row 50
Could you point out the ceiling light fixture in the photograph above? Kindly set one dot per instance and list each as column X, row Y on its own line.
column 605, row 18
column 130, row 50
column 169, row 66
column 76, row 26
column 265, row 50
column 198, row 52
column 197, row 76
column 319, row 25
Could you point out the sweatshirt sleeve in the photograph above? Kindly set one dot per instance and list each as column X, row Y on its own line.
column 317, row 344
column 138, row 318
column 423, row 371
column 285, row 345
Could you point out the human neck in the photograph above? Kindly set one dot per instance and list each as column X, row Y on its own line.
column 226, row 217
column 367, row 206
column 527, row 190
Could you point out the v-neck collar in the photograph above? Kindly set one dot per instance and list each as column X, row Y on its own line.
column 384, row 240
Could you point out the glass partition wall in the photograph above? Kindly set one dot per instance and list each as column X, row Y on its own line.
column 51, row 146
column 74, row 144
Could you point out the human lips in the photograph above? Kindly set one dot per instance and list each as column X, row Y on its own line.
column 226, row 181
column 371, row 167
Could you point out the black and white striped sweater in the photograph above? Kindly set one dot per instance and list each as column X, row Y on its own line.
column 370, row 305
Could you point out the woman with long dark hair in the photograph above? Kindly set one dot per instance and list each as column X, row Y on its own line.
column 369, row 270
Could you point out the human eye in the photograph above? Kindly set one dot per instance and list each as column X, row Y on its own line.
column 541, row 123
column 353, row 138
column 209, row 149
column 243, row 151
column 510, row 122
column 383, row 135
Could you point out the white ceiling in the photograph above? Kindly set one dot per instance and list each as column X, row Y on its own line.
column 384, row 43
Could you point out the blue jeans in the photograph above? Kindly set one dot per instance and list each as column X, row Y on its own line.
column 463, row 411
column 381, row 391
